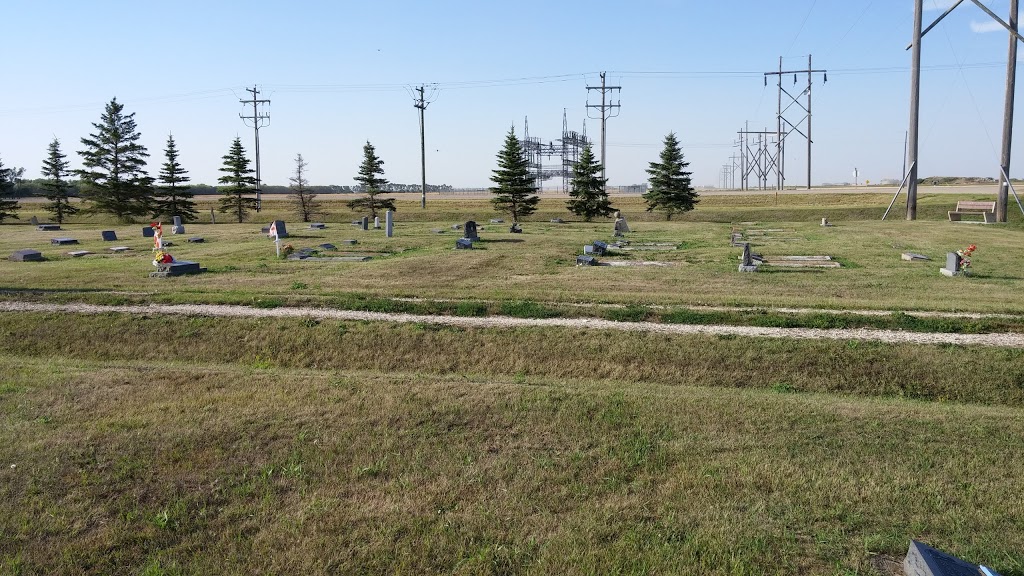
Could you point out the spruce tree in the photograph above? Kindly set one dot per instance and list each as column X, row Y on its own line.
column 174, row 197
column 514, row 192
column 238, row 182
column 303, row 199
column 114, row 179
column 55, row 172
column 671, row 189
column 589, row 198
column 8, row 204
column 372, row 184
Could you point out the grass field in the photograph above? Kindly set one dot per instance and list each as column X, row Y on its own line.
column 539, row 264
column 165, row 445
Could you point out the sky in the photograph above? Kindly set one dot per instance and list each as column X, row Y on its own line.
column 338, row 74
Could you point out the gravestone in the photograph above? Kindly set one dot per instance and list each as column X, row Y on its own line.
column 34, row 221
column 389, row 224
column 923, row 560
column 328, row 246
column 48, row 227
column 109, row 236
column 63, row 241
column 747, row 260
column 350, row 242
column 456, row 226
column 78, row 253
column 515, row 228
column 177, row 221
column 557, row 221
column 463, row 244
column 588, row 249
column 147, row 232
column 196, row 240
column 177, row 268
column 213, row 217
column 497, row 221
column 621, row 227
column 27, row 255
column 317, row 226
column 376, row 222
column 364, row 223
column 952, row 265
column 282, row 230
column 177, row 227
column 911, row 256
column 117, row 249
column 586, row 261
column 600, row 248
column 470, row 230
column 825, row 222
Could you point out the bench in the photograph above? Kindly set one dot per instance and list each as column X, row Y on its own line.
column 987, row 210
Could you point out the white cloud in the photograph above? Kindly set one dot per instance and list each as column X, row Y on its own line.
column 983, row 27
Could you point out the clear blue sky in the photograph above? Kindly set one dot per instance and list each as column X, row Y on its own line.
column 336, row 74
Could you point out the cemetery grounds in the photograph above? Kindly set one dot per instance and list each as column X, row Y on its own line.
column 152, row 443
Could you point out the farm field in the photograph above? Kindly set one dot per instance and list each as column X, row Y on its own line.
column 159, row 444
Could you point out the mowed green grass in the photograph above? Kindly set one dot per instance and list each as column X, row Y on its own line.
column 174, row 467
column 538, row 265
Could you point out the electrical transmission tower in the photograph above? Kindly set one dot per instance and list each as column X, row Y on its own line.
column 421, row 102
column 608, row 108
column 910, row 178
column 784, row 126
column 258, row 121
column 757, row 158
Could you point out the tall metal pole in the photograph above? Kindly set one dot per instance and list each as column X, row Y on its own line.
column 915, row 110
column 256, row 129
column 422, row 105
column 778, row 136
column 809, row 68
column 604, row 120
column 1002, row 198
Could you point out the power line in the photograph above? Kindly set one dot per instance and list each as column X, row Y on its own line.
column 421, row 104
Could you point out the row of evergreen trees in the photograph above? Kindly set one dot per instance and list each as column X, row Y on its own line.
column 114, row 180
column 515, row 192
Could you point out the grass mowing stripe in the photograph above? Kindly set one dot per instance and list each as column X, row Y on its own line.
column 936, row 372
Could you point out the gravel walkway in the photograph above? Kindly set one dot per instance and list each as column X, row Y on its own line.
column 893, row 336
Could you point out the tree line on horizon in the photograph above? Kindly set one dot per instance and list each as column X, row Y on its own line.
column 114, row 180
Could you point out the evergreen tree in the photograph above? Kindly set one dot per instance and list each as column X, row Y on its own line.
column 302, row 197
column 174, row 193
column 372, row 185
column 237, row 182
column 588, row 195
column 514, row 190
column 671, row 190
column 8, row 204
column 55, row 172
column 114, row 179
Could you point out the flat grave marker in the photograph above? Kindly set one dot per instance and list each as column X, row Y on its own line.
column 911, row 257
column 196, row 240
column 48, row 227
column 63, row 241
column 26, row 255
column 118, row 249
column 78, row 253
column 317, row 226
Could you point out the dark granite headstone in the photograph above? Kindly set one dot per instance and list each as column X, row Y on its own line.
column 109, row 236
column 328, row 246
column 600, row 248
column 147, row 232
column 177, row 221
column 515, row 228
column 63, row 241
column 923, row 560
column 196, row 240
column 747, row 259
column 282, row 230
column 389, row 224
column 48, row 227
column 470, row 230
column 34, row 221
column 180, row 267
column 586, row 261
column 177, row 229
column 27, row 255
column 463, row 244
column 317, row 226
column 364, row 223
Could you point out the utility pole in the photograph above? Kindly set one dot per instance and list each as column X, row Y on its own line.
column 784, row 126
column 915, row 112
column 608, row 109
column 421, row 103
column 258, row 121
column 1002, row 199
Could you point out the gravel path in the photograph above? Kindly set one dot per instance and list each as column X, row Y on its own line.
column 893, row 336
